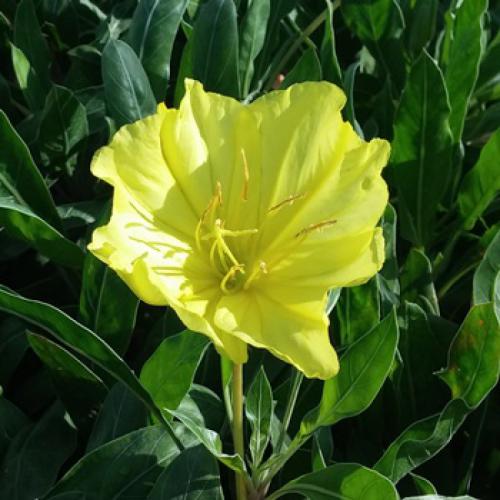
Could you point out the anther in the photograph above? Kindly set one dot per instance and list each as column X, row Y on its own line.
column 287, row 201
column 315, row 227
column 246, row 176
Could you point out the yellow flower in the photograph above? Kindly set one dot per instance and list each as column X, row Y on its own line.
column 242, row 217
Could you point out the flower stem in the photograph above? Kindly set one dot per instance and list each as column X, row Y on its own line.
column 239, row 446
column 290, row 405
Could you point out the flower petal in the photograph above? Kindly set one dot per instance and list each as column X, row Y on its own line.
column 134, row 162
column 212, row 140
column 162, row 270
column 293, row 326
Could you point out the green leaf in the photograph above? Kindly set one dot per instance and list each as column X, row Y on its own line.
column 473, row 367
column 126, row 467
column 120, row 414
column 472, row 372
column 423, row 347
column 19, row 176
column 417, row 283
column 330, row 66
column 36, row 455
column 363, row 370
column 439, row 497
column 192, row 475
column 128, row 94
column 481, row 184
column 21, row 223
column 76, row 336
column 62, row 130
column 322, row 448
column 78, row 387
column 151, row 34
column 374, row 20
column 259, row 410
column 169, row 372
column 349, row 80
column 13, row 345
column 339, row 482
column 209, row 439
column 488, row 83
column 421, row 25
column 464, row 56
column 421, row 150
column 358, row 311
column 215, row 47
column 107, row 306
column 31, row 56
column 252, row 36
column 423, row 485
column 486, row 283
column 307, row 68
column 185, row 71
column 421, row 441
column 388, row 277
column 12, row 421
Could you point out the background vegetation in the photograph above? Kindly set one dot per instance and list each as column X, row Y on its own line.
column 76, row 423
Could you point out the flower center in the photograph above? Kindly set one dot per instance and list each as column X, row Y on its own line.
column 214, row 238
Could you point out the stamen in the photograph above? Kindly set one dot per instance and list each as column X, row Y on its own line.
column 287, row 201
column 260, row 269
column 223, row 245
column 315, row 227
column 246, row 176
column 238, row 232
column 218, row 192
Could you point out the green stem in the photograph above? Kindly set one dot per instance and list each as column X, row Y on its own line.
column 308, row 31
column 237, row 426
column 456, row 278
column 297, row 379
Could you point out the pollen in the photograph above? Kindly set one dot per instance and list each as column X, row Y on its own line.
column 287, row 201
column 318, row 226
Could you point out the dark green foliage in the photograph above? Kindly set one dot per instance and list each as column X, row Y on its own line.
column 102, row 397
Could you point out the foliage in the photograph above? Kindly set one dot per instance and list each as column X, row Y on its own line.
column 102, row 397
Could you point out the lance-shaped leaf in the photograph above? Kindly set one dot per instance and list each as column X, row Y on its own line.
column 259, row 410
column 473, row 371
column 120, row 414
column 481, row 184
column 128, row 93
column 252, row 37
column 31, row 56
column 126, row 467
column 76, row 336
column 486, row 283
column 63, row 129
column 151, row 34
column 473, row 367
column 35, row 456
column 340, row 481
column 107, row 306
column 21, row 223
column 464, row 56
column 421, row 150
column 209, row 439
column 215, row 47
column 363, row 370
column 79, row 388
column 192, row 475
column 169, row 372
column 12, row 421
column 19, row 176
